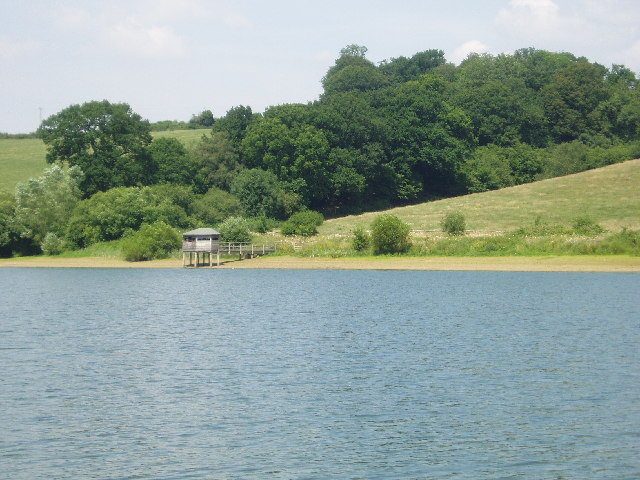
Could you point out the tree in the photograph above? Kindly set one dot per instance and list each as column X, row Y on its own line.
column 403, row 69
column 8, row 231
column 352, row 71
column 236, row 122
column 389, row 234
column 258, row 192
column 235, row 229
column 44, row 204
column 112, row 214
column 203, row 119
column 107, row 141
column 215, row 206
column 304, row 223
column 571, row 98
column 217, row 161
column 152, row 241
column 174, row 163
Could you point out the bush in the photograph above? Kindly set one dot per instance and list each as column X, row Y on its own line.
column 215, row 206
column 360, row 240
column 52, row 244
column 262, row 224
column 303, row 223
column 235, row 229
column 389, row 234
column 586, row 226
column 156, row 240
column 454, row 223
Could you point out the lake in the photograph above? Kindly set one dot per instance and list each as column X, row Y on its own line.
column 241, row 374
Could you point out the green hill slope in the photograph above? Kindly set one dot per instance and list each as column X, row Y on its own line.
column 21, row 159
column 609, row 195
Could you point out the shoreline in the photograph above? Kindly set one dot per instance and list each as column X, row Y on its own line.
column 584, row 263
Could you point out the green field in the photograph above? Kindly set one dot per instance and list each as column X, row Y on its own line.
column 188, row 137
column 609, row 195
column 21, row 159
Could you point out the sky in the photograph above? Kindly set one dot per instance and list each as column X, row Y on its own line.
column 170, row 59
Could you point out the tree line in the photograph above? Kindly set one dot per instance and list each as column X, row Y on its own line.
column 403, row 130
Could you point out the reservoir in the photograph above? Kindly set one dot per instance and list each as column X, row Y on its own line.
column 276, row 374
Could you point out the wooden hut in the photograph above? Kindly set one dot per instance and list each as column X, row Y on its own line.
column 200, row 243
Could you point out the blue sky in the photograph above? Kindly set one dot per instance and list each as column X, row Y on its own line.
column 171, row 58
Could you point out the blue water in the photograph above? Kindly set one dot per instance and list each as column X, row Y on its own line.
column 243, row 374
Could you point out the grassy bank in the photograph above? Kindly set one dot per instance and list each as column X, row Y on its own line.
column 608, row 195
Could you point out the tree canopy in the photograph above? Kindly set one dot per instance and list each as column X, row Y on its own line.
column 108, row 141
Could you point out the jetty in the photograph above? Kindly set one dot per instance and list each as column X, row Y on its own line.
column 199, row 247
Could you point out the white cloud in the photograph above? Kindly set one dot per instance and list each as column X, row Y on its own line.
column 153, row 41
column 472, row 46
column 533, row 17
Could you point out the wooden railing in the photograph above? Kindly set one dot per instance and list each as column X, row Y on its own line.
column 242, row 248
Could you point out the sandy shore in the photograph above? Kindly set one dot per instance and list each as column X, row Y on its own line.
column 525, row 264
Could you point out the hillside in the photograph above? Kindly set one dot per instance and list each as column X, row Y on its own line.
column 609, row 195
column 21, row 159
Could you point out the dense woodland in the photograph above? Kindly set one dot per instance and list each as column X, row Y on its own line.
column 402, row 131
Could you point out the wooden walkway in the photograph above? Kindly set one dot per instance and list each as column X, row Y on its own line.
column 204, row 257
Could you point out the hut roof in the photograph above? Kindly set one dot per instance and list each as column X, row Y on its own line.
column 201, row 232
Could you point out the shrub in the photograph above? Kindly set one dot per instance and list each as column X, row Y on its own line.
column 389, row 234
column 360, row 240
column 453, row 223
column 303, row 223
column 156, row 240
column 215, row 206
column 262, row 224
column 586, row 226
column 52, row 244
column 235, row 229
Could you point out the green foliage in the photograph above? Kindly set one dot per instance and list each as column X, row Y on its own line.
column 541, row 228
column 389, row 234
column 304, row 223
column 216, row 161
column 202, row 119
column 235, row 229
column 107, row 141
column 112, row 214
column 52, row 244
column 152, row 241
column 259, row 193
column 8, row 229
column 454, row 223
column 215, row 206
column 44, row 204
column 174, row 164
column 361, row 239
column 262, row 224
column 585, row 225
column 235, row 123
column 168, row 125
